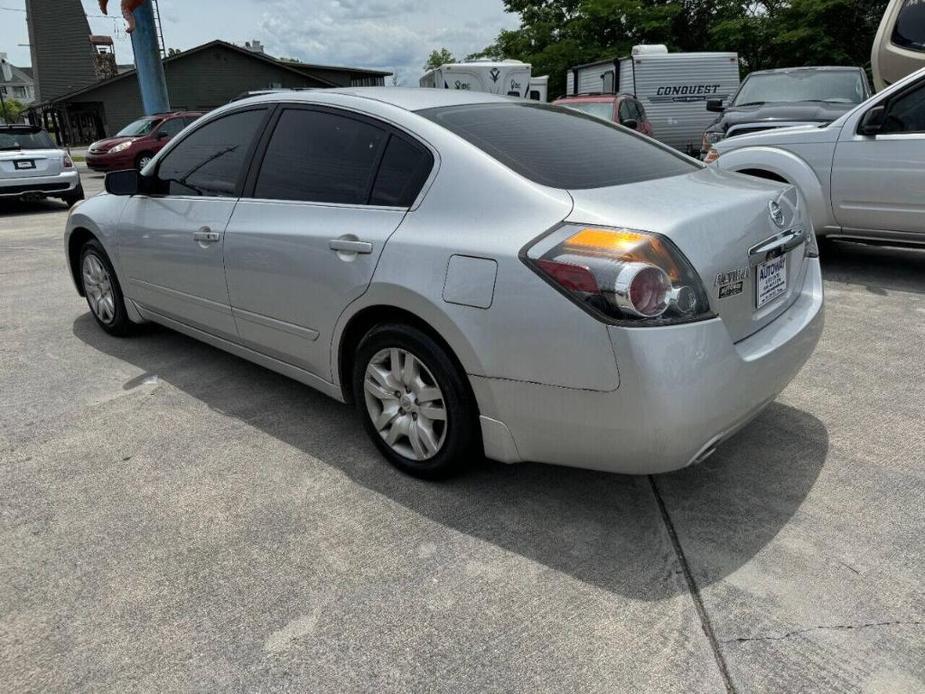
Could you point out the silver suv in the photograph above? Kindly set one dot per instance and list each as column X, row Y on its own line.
column 32, row 166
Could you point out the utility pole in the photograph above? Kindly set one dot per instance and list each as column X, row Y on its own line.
column 148, row 63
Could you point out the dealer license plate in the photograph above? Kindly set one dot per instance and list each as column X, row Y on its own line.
column 24, row 164
column 771, row 280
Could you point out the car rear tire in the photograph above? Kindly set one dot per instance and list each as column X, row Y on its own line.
column 415, row 404
column 102, row 290
column 74, row 196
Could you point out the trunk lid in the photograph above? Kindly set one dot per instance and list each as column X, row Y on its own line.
column 29, row 163
column 723, row 224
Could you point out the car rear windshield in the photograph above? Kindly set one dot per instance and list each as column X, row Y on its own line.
column 559, row 147
column 592, row 108
column 140, row 127
column 25, row 139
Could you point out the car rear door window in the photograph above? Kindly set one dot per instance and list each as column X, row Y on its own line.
column 560, row 148
column 318, row 156
column 211, row 160
column 625, row 111
column 909, row 31
column 403, row 171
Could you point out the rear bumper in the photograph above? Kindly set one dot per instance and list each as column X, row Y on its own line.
column 683, row 389
column 51, row 186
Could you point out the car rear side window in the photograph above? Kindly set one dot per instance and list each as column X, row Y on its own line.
column 172, row 126
column 317, row 156
column 210, row 161
column 909, row 31
column 559, row 147
column 404, row 169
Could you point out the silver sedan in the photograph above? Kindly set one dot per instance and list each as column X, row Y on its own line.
column 478, row 274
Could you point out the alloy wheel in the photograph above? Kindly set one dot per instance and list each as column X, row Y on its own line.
column 98, row 286
column 405, row 404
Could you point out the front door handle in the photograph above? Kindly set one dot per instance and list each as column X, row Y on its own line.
column 206, row 235
column 350, row 246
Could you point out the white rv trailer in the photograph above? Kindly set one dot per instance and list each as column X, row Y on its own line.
column 672, row 87
column 539, row 89
column 506, row 77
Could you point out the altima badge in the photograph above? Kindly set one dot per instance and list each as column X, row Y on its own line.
column 776, row 212
column 730, row 283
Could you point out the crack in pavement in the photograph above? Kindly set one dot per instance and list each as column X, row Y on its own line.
column 836, row 627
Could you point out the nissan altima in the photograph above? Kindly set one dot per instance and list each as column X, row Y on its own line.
column 478, row 274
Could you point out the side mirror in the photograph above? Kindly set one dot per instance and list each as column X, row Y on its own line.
column 161, row 135
column 872, row 121
column 630, row 123
column 123, row 182
column 715, row 105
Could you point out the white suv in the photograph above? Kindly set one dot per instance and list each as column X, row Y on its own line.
column 862, row 175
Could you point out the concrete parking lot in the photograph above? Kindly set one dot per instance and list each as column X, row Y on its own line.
column 174, row 518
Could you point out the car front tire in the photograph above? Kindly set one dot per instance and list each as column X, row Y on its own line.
column 102, row 290
column 415, row 404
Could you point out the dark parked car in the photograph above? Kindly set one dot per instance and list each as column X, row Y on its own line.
column 624, row 109
column 136, row 144
column 781, row 98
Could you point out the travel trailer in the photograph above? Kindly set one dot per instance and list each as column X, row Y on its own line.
column 672, row 87
column 539, row 89
column 506, row 77
column 899, row 47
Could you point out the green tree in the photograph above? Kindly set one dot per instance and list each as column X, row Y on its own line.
column 555, row 35
column 438, row 58
column 12, row 110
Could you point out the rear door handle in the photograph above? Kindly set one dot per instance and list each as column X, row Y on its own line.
column 206, row 235
column 350, row 246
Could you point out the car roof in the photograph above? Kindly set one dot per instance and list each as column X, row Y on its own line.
column 407, row 98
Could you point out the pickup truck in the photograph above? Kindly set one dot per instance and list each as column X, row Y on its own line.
column 862, row 175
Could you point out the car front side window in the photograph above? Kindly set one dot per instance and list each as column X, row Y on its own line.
column 210, row 161
column 906, row 114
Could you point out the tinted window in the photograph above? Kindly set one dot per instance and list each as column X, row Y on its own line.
column 320, row 157
column 24, row 138
column 403, row 171
column 211, row 160
column 172, row 127
column 909, row 31
column 559, row 147
column 637, row 110
column 906, row 114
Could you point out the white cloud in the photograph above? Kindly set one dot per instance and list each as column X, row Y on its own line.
column 394, row 36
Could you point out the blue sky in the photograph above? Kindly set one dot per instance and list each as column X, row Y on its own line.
column 395, row 35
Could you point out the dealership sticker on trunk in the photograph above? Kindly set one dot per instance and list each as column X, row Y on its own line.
column 771, row 278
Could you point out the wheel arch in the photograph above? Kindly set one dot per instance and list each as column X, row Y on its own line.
column 783, row 165
column 78, row 238
column 397, row 305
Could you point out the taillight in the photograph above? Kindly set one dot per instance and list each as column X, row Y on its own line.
column 68, row 162
column 624, row 276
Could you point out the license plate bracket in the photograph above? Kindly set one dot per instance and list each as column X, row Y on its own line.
column 770, row 280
